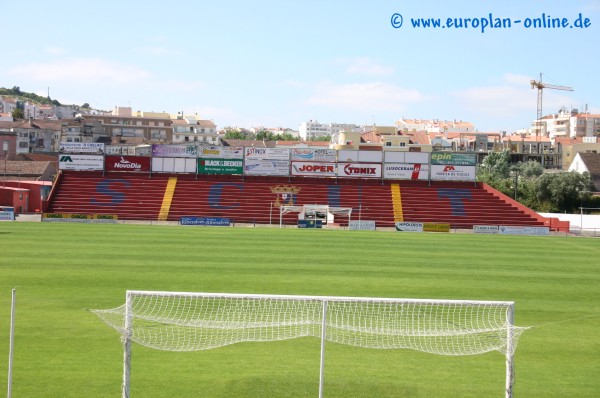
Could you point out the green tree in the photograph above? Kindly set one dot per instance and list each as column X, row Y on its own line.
column 563, row 192
column 531, row 169
column 286, row 137
column 495, row 166
column 18, row 113
column 265, row 135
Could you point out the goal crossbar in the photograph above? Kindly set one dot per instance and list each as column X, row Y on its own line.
column 183, row 321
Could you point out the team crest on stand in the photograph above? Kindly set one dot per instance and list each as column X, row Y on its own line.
column 285, row 195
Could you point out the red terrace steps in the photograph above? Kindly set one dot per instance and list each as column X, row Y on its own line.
column 257, row 199
column 462, row 205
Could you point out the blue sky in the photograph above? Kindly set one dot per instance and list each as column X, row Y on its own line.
column 278, row 63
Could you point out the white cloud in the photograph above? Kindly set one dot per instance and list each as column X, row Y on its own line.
column 156, row 50
column 55, row 50
column 366, row 66
column 89, row 71
column 365, row 96
column 293, row 83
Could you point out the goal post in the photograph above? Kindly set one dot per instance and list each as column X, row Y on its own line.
column 179, row 321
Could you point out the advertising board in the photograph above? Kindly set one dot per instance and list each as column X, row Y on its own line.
column 220, row 152
column 127, row 163
column 362, row 170
column 406, row 171
column 315, row 155
column 408, row 226
column 205, row 221
column 81, row 147
column 452, row 173
column 362, row 225
column 266, row 167
column 523, row 230
column 220, row 166
column 174, row 151
column 81, row 162
column 267, row 153
column 316, row 169
column 460, row 159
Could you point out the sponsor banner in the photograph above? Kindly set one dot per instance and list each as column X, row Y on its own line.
column 267, row 153
column 174, row 151
column 81, row 147
column 406, row 171
column 220, row 152
column 434, row 227
column 485, row 229
column 127, row 163
column 461, row 159
column 452, row 173
column 81, row 162
column 89, row 218
column 363, row 170
column 174, row 165
column 310, row 224
column 361, row 225
column 267, row 167
column 408, row 226
column 315, row 155
column 205, row 221
column 7, row 215
column 524, row 230
column 318, row 169
column 105, row 217
column 220, row 166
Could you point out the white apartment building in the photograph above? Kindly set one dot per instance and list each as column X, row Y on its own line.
column 313, row 129
column 434, row 126
column 189, row 129
column 569, row 124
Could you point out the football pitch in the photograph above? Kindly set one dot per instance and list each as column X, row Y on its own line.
column 61, row 271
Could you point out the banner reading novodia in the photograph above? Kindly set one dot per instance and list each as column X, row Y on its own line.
column 452, row 173
column 81, row 162
column 127, row 163
column 174, row 151
column 220, row 166
column 316, row 169
column 362, row 170
column 406, row 171
column 315, row 155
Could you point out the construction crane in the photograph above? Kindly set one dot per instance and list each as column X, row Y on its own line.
column 540, row 87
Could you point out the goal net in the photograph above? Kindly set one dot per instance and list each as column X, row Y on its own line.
column 200, row 321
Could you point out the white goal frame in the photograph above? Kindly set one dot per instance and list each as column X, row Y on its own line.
column 315, row 208
column 122, row 319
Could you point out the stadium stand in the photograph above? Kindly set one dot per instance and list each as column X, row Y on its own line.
column 138, row 196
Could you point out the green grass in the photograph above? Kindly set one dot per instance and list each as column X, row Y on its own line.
column 62, row 270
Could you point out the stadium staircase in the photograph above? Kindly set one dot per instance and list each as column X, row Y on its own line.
column 133, row 196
